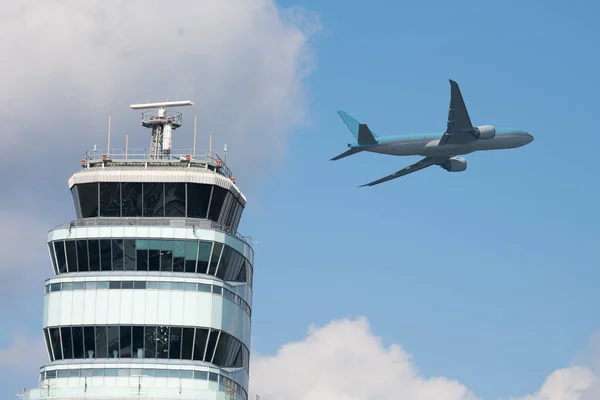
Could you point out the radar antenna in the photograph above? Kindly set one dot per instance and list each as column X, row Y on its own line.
column 162, row 123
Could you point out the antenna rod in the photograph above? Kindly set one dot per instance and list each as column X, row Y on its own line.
column 126, row 145
column 194, row 156
column 108, row 150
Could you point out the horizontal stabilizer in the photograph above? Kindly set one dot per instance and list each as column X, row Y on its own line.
column 347, row 153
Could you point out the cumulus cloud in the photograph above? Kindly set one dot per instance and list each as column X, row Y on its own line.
column 344, row 360
column 23, row 355
column 72, row 63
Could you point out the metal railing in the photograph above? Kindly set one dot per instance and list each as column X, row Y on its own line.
column 194, row 158
column 172, row 223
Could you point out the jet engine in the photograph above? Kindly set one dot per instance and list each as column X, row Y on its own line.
column 485, row 132
column 455, row 164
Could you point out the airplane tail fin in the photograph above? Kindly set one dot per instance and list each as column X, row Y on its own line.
column 361, row 132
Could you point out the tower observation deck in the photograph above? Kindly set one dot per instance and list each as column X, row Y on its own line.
column 151, row 296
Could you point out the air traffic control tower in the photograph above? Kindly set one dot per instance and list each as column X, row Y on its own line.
column 152, row 290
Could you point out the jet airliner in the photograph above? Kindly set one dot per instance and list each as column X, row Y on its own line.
column 441, row 149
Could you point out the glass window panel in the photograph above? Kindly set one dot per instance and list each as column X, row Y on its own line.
column 129, row 254
column 98, row 371
column 125, row 341
column 162, row 342
column 161, row 373
column 187, row 341
column 110, row 199
column 187, row 374
column 154, row 254
column 204, row 250
column 165, row 285
column 53, row 257
column 135, row 371
column 110, row 372
column 132, row 199
column 88, row 198
column 175, row 343
column 48, row 344
column 117, row 254
column 51, row 374
column 78, row 285
column 137, row 342
column 55, row 287
column 210, row 347
column 200, row 343
column 175, row 199
column 114, row 285
column 177, row 286
column 74, row 373
column 191, row 252
column 201, row 375
column 174, row 373
column 204, row 287
column 142, row 254
column 47, row 289
column 67, row 286
column 139, row 285
column 214, row 259
column 217, row 289
column 70, row 247
column 78, row 349
column 76, row 204
column 105, row 255
column 224, row 262
column 82, row 256
column 103, row 285
column 87, row 372
column 63, row 373
column 101, row 342
column 233, row 267
column 56, row 346
column 123, row 372
column 127, row 285
column 150, row 342
column 216, row 202
column 198, row 196
column 154, row 200
column 94, row 254
column 61, row 261
column 213, row 377
column 189, row 287
column 166, row 255
column 148, row 372
column 152, row 285
column 179, row 256
column 112, row 335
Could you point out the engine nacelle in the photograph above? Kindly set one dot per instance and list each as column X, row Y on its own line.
column 455, row 164
column 485, row 132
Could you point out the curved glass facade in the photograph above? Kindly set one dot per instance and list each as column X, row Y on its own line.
column 157, row 199
column 167, row 255
column 148, row 342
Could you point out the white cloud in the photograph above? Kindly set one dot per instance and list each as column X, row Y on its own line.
column 345, row 361
column 23, row 355
column 241, row 61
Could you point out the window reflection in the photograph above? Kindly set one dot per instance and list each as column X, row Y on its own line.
column 168, row 255
column 88, row 197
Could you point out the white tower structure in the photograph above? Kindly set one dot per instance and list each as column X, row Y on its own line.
column 152, row 292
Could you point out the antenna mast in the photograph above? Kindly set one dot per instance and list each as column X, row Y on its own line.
column 162, row 123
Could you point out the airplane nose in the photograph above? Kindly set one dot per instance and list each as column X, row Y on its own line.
column 529, row 138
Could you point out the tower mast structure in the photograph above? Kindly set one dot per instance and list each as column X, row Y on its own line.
column 162, row 124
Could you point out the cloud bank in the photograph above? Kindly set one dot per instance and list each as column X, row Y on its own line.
column 344, row 360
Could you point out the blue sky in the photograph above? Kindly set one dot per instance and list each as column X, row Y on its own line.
column 488, row 276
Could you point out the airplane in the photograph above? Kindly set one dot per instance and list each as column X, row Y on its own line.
column 441, row 149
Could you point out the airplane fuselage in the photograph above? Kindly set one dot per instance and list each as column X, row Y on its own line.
column 427, row 145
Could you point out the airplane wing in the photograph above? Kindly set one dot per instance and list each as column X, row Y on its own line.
column 424, row 163
column 459, row 129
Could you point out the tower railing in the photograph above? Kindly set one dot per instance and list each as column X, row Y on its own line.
column 196, row 158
